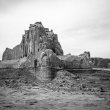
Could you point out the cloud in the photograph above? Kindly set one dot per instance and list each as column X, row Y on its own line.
column 81, row 24
column 98, row 29
column 5, row 5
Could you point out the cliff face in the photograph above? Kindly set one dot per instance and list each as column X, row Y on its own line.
column 7, row 55
column 101, row 62
column 79, row 61
column 34, row 40
column 41, row 46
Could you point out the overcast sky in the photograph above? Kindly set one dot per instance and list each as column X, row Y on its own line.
column 81, row 25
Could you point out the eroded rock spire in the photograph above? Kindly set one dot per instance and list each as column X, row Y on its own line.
column 34, row 40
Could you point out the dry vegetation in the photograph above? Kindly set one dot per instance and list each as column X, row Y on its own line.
column 88, row 90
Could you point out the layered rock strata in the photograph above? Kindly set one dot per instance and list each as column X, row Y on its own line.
column 38, row 43
column 34, row 40
column 41, row 49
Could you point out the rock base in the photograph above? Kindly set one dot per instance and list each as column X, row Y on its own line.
column 45, row 74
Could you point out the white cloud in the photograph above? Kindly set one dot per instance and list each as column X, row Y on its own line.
column 80, row 24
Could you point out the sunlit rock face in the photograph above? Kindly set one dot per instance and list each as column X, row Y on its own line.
column 33, row 41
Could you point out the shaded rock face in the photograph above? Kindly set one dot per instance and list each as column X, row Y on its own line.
column 7, row 55
column 48, row 62
column 40, row 49
column 72, row 61
column 12, row 54
column 49, row 59
column 101, row 62
column 34, row 40
column 41, row 45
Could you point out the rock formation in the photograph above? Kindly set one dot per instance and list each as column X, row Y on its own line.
column 40, row 49
column 72, row 61
column 41, row 45
column 101, row 62
column 7, row 55
column 49, row 59
column 33, row 41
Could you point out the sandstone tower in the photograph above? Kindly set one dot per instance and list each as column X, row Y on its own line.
column 34, row 40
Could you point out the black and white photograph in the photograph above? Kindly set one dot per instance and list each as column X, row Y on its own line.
column 54, row 54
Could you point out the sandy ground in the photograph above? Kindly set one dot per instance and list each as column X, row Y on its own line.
column 37, row 98
column 19, row 90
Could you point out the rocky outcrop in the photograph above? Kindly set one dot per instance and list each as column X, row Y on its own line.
column 49, row 59
column 48, row 63
column 12, row 63
column 72, row 61
column 40, row 49
column 34, row 40
column 41, row 45
column 7, row 55
column 12, row 54
column 101, row 62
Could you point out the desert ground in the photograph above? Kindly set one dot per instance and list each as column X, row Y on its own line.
column 20, row 90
